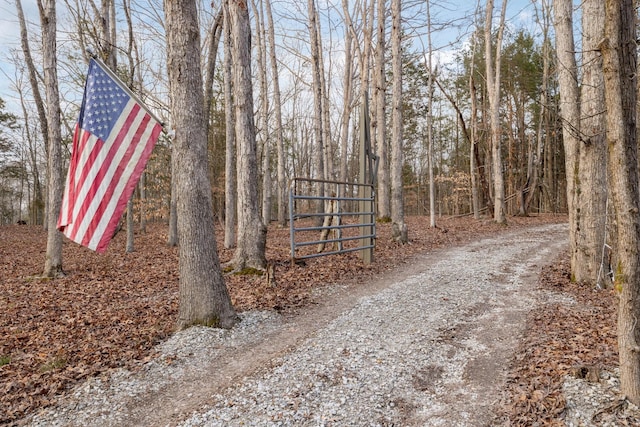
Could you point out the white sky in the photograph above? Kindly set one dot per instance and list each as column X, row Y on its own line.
column 520, row 13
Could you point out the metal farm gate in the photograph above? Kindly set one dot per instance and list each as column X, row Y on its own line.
column 343, row 216
column 351, row 219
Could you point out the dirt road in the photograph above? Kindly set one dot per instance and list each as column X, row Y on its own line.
column 425, row 345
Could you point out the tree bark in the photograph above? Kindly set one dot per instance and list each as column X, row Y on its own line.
column 53, row 262
column 263, row 123
column 230, row 181
column 282, row 179
column 252, row 233
column 382, row 144
column 569, row 110
column 432, row 184
column 38, row 202
column 347, row 98
column 591, row 231
column 319, row 137
column 544, row 110
column 398, row 226
column 204, row 298
column 473, row 167
column 620, row 62
column 172, row 238
column 493, row 91
column 214, row 41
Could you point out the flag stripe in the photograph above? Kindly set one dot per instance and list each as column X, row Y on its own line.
column 88, row 152
column 101, row 171
column 115, row 187
column 112, row 143
column 134, row 168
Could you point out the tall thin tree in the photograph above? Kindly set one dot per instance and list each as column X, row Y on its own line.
column 252, row 233
column 382, row 142
column 619, row 50
column 492, row 63
column 48, row 21
column 398, row 226
column 569, row 108
column 204, row 298
column 591, row 209
column 40, row 107
column 231, row 178
column 277, row 107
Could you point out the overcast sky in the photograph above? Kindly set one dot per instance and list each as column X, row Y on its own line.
column 520, row 13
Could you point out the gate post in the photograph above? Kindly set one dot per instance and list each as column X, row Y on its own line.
column 365, row 177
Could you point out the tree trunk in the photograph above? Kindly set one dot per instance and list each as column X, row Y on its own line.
column 473, row 167
column 569, row 110
column 327, row 147
column 493, row 91
column 204, row 299
column 544, row 110
column 252, row 233
column 40, row 108
column 620, row 62
column 398, row 227
column 53, row 262
column 593, row 151
column 316, row 70
column 36, row 202
column 432, row 184
column 263, row 124
column 172, row 239
column 230, row 180
column 214, row 41
column 282, row 179
column 347, row 98
column 382, row 144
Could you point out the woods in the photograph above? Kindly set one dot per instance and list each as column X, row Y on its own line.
column 489, row 115
column 306, row 120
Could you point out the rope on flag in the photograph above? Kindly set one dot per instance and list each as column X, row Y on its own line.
column 112, row 141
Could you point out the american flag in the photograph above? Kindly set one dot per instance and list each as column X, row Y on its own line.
column 112, row 141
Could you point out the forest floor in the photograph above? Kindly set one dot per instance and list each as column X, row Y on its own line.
column 110, row 310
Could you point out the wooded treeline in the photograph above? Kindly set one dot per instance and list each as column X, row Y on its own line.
column 523, row 119
column 310, row 67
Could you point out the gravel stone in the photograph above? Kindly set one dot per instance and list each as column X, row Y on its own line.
column 427, row 346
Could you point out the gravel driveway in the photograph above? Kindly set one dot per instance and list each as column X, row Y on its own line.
column 427, row 345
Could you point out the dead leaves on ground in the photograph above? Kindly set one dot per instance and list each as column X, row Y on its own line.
column 559, row 338
column 110, row 310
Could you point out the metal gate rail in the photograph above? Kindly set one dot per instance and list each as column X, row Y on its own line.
column 366, row 224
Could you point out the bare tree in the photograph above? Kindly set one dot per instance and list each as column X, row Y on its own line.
column 432, row 184
column 399, row 228
column 591, row 205
column 214, row 41
column 252, row 233
column 620, row 64
column 569, row 107
column 263, row 115
column 382, row 142
column 493, row 91
column 347, row 95
column 53, row 262
column 536, row 163
column 316, row 71
column 275, row 79
column 40, row 105
column 204, row 298
column 230, row 181
column 473, row 132
column 33, row 73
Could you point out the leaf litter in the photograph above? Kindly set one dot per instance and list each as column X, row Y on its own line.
column 111, row 310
